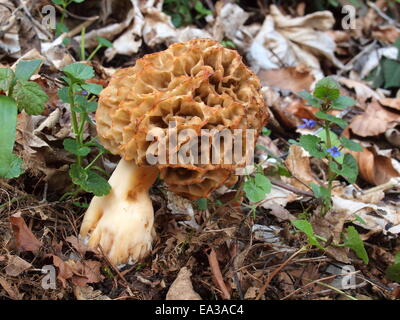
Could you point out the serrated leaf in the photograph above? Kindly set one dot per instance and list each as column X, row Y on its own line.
column 354, row 242
column 313, row 101
column 73, row 147
column 327, row 89
column 306, row 227
column 311, row 144
column 326, row 116
column 92, row 88
column 6, row 78
column 82, row 105
column 257, row 187
column 26, row 68
column 10, row 166
column 89, row 181
column 30, row 97
column 79, row 71
column 351, row 145
column 343, row 102
column 348, row 170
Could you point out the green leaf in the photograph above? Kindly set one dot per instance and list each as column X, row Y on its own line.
column 73, row 147
column 61, row 28
column 82, row 105
column 354, row 242
column 26, row 68
column 391, row 71
column 176, row 20
column 312, row 144
column 78, row 1
column 79, row 71
column 104, row 42
column 58, row 2
column 327, row 89
column 202, row 204
column 89, row 180
column 343, row 102
column 351, row 145
column 92, row 88
column 6, row 79
column 257, row 187
column 348, row 170
column 306, row 227
column 30, row 97
column 198, row 6
column 10, row 166
column 322, row 193
column 326, row 116
column 63, row 94
column 8, row 124
column 265, row 132
column 393, row 272
column 313, row 101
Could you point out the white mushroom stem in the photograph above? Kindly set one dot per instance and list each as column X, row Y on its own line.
column 122, row 221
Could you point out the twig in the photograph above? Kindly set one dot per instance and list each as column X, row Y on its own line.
column 382, row 14
column 293, row 189
column 277, row 270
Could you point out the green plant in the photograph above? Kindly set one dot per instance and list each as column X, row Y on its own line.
column 326, row 144
column 102, row 43
column 386, row 75
column 61, row 26
column 183, row 12
column 228, row 44
column 393, row 271
column 21, row 94
column 352, row 239
column 80, row 95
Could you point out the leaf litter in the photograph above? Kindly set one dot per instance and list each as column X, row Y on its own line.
column 224, row 251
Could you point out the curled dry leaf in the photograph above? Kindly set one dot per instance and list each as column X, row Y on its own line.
column 373, row 167
column 290, row 41
column 9, row 29
column 24, row 238
column 375, row 120
column 182, row 288
column 393, row 103
column 363, row 92
column 375, row 218
column 290, row 78
column 298, row 163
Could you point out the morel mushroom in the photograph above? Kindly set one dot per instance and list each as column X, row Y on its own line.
column 195, row 85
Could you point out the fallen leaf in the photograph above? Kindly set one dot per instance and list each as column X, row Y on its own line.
column 290, row 78
column 25, row 239
column 393, row 103
column 88, row 293
column 375, row 120
column 373, row 167
column 363, row 91
column 298, row 163
column 11, row 291
column 387, row 34
column 182, row 288
column 16, row 265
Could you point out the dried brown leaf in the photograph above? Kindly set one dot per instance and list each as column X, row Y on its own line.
column 25, row 239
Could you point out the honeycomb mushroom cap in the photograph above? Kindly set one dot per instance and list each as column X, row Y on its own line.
column 199, row 84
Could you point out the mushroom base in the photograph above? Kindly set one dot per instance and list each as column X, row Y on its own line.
column 121, row 223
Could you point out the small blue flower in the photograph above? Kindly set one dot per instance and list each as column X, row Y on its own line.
column 84, row 93
column 309, row 124
column 334, row 151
